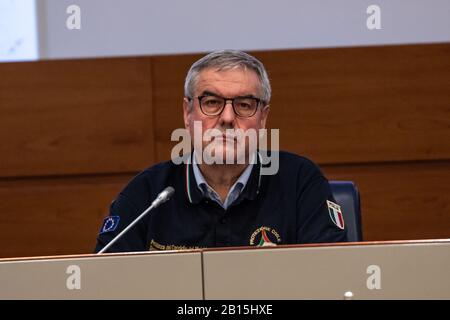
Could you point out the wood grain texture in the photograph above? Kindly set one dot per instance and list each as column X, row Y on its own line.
column 54, row 216
column 401, row 201
column 75, row 117
column 63, row 215
column 340, row 105
column 366, row 104
column 379, row 116
column 170, row 72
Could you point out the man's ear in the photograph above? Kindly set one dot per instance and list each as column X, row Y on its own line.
column 264, row 115
column 187, row 112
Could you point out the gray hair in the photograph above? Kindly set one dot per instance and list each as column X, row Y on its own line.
column 225, row 60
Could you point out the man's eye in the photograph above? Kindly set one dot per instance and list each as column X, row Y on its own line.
column 212, row 102
column 244, row 105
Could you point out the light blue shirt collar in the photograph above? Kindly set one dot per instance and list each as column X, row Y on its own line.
column 209, row 192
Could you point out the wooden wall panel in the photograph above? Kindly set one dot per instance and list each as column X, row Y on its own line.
column 169, row 73
column 78, row 116
column 339, row 105
column 73, row 132
column 63, row 216
column 401, row 201
column 54, row 216
column 352, row 105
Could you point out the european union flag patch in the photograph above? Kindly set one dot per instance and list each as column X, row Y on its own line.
column 110, row 224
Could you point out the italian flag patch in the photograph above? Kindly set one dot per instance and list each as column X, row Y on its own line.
column 336, row 214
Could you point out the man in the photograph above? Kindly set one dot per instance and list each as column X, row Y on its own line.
column 225, row 203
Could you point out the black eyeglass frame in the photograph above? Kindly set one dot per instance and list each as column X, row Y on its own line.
column 226, row 100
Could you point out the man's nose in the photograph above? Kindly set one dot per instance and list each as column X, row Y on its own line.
column 228, row 116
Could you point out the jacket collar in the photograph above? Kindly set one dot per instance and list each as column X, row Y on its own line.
column 195, row 195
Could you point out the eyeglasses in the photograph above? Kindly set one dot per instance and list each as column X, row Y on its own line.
column 244, row 107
